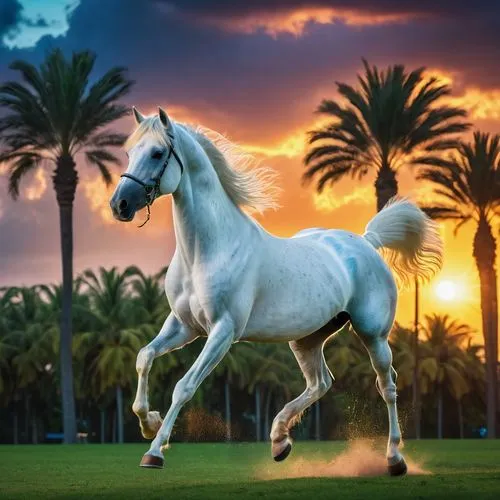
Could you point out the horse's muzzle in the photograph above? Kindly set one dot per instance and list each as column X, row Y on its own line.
column 127, row 199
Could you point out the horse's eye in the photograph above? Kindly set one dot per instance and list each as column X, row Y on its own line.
column 157, row 155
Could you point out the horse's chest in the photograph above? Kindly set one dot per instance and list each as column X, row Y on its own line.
column 186, row 303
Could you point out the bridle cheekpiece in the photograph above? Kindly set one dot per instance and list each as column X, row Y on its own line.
column 153, row 190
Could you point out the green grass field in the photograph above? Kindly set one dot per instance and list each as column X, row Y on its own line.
column 457, row 469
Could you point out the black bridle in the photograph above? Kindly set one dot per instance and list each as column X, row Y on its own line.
column 153, row 190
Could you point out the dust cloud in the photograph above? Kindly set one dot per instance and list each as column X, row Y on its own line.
column 360, row 459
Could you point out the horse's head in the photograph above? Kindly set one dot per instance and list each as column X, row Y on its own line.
column 154, row 167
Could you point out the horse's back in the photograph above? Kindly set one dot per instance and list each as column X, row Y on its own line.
column 374, row 294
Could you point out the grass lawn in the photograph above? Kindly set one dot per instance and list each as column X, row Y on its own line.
column 456, row 469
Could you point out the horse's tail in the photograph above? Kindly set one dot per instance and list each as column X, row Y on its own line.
column 409, row 240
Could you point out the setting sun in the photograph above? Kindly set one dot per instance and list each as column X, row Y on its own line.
column 447, row 290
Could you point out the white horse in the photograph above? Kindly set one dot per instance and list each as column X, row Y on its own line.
column 230, row 280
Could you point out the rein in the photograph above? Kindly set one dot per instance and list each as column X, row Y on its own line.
column 153, row 190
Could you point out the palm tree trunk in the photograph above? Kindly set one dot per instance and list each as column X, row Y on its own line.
column 460, row 418
column 317, row 420
column 440, row 411
column 485, row 254
column 103, row 425
column 416, row 388
column 27, row 418
column 227, row 395
column 65, row 180
column 113, row 427
column 119, row 413
column 34, row 429
column 386, row 185
column 267, row 420
column 257, row 412
column 15, row 427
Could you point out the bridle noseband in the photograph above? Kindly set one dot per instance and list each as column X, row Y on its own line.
column 153, row 190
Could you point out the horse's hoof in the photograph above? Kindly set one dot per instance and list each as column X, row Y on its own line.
column 152, row 426
column 398, row 469
column 151, row 462
column 283, row 453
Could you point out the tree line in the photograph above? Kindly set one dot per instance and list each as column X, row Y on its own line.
column 116, row 312
column 390, row 119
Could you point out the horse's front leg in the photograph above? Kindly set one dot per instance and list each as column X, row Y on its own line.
column 217, row 345
column 173, row 335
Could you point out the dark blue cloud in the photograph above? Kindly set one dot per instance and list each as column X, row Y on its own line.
column 250, row 86
column 10, row 16
column 255, row 78
column 230, row 8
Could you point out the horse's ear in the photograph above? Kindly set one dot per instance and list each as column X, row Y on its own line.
column 165, row 120
column 137, row 115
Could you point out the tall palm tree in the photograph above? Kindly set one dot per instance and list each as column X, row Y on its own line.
column 272, row 368
column 392, row 118
column 33, row 334
column 403, row 352
column 443, row 365
column 81, row 310
column 475, row 375
column 8, row 347
column 111, row 347
column 234, row 369
column 150, row 299
column 467, row 185
column 343, row 352
column 52, row 115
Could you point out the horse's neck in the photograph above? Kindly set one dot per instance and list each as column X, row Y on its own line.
column 206, row 221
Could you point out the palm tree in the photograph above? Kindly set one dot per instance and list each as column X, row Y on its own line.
column 234, row 369
column 443, row 363
column 474, row 370
column 33, row 334
column 394, row 118
column 403, row 352
column 54, row 114
column 150, row 299
column 7, row 348
column 111, row 347
column 271, row 369
column 468, row 188
column 81, row 309
column 342, row 352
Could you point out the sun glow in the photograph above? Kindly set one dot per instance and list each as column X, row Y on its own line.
column 447, row 290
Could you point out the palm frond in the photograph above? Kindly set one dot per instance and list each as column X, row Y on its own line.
column 18, row 169
column 390, row 114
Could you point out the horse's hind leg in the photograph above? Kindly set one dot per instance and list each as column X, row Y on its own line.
column 309, row 354
column 318, row 381
column 381, row 357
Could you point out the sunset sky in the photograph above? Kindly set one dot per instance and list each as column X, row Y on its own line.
column 256, row 71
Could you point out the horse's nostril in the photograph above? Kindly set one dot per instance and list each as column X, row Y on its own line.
column 122, row 205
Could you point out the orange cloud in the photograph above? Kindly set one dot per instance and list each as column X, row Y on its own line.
column 295, row 21
column 98, row 196
column 481, row 104
column 291, row 146
column 37, row 186
column 328, row 200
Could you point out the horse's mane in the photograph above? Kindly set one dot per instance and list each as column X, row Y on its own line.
column 246, row 182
